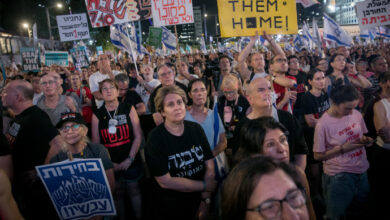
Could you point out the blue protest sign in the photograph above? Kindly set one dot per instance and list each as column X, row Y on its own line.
column 99, row 50
column 78, row 189
column 80, row 56
column 56, row 57
column 30, row 59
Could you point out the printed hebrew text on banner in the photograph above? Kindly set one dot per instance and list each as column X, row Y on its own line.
column 171, row 12
column 73, row 27
column 107, row 12
column 30, row 59
column 373, row 13
column 78, row 189
column 56, row 57
column 245, row 17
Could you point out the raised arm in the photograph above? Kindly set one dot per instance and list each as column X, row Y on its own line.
column 242, row 67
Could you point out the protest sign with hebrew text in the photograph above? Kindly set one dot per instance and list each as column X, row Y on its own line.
column 107, row 12
column 79, row 189
column 373, row 13
column 73, row 27
column 171, row 12
column 56, row 57
column 245, row 17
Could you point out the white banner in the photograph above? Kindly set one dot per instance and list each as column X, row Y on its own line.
column 373, row 13
column 73, row 27
column 172, row 12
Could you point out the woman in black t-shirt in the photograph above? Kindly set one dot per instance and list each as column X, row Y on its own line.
column 179, row 157
column 315, row 103
column 116, row 126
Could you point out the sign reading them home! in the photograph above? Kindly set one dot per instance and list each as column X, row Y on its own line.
column 245, row 17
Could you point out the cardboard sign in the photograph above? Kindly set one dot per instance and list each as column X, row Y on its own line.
column 56, row 57
column 30, row 59
column 80, row 56
column 373, row 13
column 245, row 17
column 107, row 12
column 155, row 36
column 73, row 27
column 78, row 189
column 171, row 12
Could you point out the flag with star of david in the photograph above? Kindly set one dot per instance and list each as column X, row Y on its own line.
column 168, row 39
column 333, row 32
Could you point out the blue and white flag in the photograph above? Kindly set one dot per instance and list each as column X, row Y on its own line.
column 316, row 35
column 306, row 34
column 203, row 45
column 368, row 34
column 333, row 32
column 168, row 39
column 298, row 43
column 124, row 37
column 383, row 32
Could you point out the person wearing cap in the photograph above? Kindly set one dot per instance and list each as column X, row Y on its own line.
column 73, row 130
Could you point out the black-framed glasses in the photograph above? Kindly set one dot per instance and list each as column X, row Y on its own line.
column 272, row 209
column 74, row 127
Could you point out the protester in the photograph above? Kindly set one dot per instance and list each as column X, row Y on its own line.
column 33, row 141
column 146, row 84
column 104, row 72
column 260, row 99
column 73, row 130
column 339, row 142
column 266, row 136
column 183, row 183
column 261, row 188
column 85, row 97
column 53, row 103
column 116, row 126
column 167, row 77
column 129, row 96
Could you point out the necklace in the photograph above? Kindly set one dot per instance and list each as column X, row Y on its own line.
column 112, row 123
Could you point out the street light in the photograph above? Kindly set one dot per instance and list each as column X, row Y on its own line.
column 58, row 5
column 26, row 26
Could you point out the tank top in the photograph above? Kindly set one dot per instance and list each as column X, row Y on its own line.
column 118, row 144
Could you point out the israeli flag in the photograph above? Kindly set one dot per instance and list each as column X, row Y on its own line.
column 298, row 43
column 307, row 36
column 316, row 34
column 124, row 37
column 383, row 32
column 168, row 39
column 203, row 45
column 333, row 32
column 368, row 34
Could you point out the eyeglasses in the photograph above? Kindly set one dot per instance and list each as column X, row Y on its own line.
column 50, row 82
column 230, row 92
column 105, row 89
column 74, row 127
column 323, row 64
column 280, row 60
column 272, row 209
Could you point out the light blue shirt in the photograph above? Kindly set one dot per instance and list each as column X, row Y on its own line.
column 208, row 126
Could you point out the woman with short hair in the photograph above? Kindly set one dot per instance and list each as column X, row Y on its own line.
column 180, row 160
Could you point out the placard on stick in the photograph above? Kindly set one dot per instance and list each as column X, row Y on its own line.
column 30, row 59
column 373, row 13
column 171, row 12
column 73, row 27
column 245, row 17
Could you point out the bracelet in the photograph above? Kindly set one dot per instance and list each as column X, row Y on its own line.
column 341, row 149
column 204, row 185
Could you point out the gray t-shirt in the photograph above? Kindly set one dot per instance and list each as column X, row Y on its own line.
column 90, row 151
column 55, row 114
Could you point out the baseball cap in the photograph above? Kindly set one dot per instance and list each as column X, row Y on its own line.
column 70, row 117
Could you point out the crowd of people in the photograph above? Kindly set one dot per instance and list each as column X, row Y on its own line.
column 255, row 134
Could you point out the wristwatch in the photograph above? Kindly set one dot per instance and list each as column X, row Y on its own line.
column 206, row 200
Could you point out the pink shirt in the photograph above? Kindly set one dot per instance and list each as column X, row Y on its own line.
column 331, row 132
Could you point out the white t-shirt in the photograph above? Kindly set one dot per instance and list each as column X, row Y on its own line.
column 144, row 93
column 94, row 81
